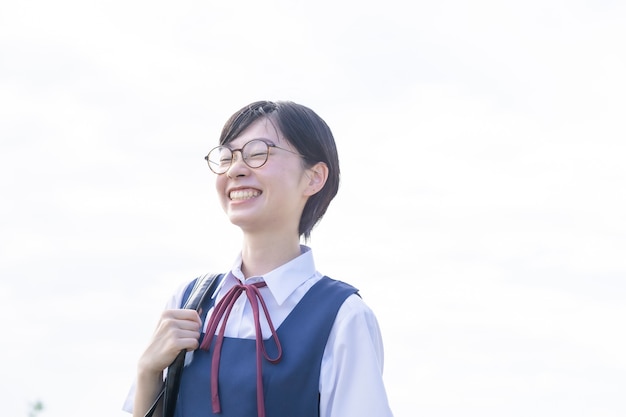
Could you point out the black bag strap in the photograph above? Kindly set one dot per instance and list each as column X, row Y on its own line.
column 203, row 287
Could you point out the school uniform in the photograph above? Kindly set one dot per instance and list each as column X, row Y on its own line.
column 341, row 329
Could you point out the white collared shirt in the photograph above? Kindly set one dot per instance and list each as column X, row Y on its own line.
column 351, row 382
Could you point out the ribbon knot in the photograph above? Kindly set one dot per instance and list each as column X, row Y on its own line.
column 222, row 310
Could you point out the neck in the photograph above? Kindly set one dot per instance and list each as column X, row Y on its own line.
column 262, row 254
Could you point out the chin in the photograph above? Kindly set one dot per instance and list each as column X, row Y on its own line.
column 242, row 221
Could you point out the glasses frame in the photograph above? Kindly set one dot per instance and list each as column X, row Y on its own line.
column 267, row 142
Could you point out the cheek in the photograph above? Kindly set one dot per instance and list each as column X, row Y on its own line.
column 220, row 186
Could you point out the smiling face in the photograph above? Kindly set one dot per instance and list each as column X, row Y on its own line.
column 270, row 198
column 303, row 131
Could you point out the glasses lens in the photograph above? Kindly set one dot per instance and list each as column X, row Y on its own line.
column 255, row 153
column 219, row 159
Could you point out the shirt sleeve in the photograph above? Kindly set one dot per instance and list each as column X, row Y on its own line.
column 351, row 382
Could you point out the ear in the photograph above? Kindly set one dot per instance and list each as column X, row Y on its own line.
column 317, row 176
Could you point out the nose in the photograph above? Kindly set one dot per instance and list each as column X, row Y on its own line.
column 237, row 166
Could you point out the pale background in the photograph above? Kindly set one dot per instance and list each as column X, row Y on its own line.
column 481, row 211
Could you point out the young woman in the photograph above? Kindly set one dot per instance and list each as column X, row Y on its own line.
column 279, row 339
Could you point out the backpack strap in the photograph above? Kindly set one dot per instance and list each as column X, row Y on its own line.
column 202, row 286
column 195, row 293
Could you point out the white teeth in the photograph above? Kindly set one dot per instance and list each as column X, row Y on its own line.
column 244, row 194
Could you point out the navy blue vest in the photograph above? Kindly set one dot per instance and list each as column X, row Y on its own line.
column 291, row 387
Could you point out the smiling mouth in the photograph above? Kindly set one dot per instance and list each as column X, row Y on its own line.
column 238, row 195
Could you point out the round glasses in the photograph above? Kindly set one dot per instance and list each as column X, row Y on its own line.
column 254, row 154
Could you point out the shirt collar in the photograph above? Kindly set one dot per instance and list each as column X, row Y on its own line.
column 284, row 280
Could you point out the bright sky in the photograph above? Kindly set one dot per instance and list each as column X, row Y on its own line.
column 481, row 211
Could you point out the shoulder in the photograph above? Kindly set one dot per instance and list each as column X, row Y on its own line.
column 355, row 310
column 337, row 287
column 353, row 305
column 355, row 323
